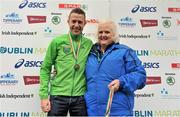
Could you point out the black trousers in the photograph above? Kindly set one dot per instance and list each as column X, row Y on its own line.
column 60, row 105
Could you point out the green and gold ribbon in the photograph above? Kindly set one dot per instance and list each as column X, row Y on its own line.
column 75, row 51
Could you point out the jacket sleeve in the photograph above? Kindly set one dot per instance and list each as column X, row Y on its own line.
column 135, row 76
column 45, row 71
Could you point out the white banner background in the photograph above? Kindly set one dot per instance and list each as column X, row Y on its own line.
column 161, row 99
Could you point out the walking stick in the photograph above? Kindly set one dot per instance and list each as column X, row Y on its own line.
column 110, row 98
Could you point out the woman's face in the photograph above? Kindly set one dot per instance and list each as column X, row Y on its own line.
column 105, row 34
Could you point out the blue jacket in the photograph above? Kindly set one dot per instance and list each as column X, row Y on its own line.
column 118, row 62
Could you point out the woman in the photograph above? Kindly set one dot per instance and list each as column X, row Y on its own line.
column 112, row 64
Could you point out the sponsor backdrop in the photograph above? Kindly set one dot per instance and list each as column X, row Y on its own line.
column 152, row 28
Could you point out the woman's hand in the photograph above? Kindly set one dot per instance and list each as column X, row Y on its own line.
column 115, row 84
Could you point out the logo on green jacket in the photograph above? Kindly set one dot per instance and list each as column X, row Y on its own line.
column 66, row 49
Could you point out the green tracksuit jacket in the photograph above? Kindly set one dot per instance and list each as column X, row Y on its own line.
column 68, row 81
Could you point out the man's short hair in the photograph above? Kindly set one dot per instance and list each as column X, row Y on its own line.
column 78, row 11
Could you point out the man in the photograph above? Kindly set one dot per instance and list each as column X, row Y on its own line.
column 68, row 53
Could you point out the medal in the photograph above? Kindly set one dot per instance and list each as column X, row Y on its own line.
column 76, row 67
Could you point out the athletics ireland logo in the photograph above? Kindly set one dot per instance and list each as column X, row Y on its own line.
column 66, row 49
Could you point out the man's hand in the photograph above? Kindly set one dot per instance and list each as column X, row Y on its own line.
column 45, row 105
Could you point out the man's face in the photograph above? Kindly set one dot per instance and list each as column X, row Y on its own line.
column 76, row 23
column 105, row 34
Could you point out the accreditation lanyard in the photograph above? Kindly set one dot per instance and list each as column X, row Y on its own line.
column 75, row 51
column 110, row 98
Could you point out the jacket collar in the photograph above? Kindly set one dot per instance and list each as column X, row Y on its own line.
column 96, row 47
column 75, row 37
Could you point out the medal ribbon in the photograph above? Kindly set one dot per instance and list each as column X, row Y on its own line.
column 110, row 98
column 75, row 52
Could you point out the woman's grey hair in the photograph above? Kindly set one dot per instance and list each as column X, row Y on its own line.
column 113, row 28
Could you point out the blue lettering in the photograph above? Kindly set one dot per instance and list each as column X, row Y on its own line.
column 143, row 9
